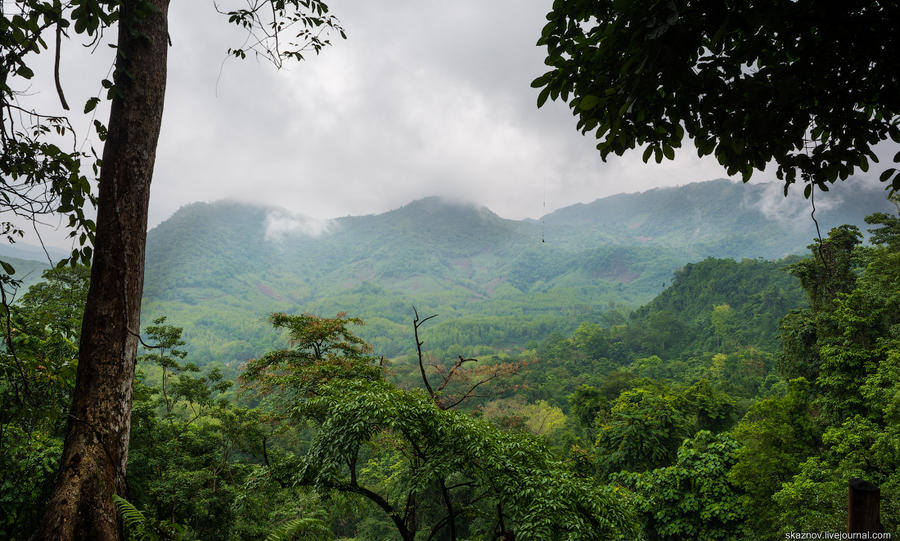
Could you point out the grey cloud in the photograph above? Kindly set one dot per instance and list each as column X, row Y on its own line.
column 424, row 98
column 428, row 98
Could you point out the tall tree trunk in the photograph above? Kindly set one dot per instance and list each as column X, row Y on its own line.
column 96, row 446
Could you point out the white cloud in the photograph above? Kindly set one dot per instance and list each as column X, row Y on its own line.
column 280, row 224
column 793, row 208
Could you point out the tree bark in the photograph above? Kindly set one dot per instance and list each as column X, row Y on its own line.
column 95, row 453
column 864, row 507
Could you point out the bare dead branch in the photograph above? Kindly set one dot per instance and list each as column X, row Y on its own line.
column 59, row 90
column 416, row 325
column 454, row 370
column 470, row 393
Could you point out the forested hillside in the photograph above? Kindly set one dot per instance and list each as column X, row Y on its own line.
column 711, row 307
column 219, row 269
column 736, row 404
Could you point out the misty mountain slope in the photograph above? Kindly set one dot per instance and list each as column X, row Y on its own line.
column 203, row 245
column 717, row 218
column 219, row 269
column 28, row 271
column 460, row 229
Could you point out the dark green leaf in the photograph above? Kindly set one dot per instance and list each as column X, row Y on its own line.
column 542, row 97
column 894, row 132
column 588, row 102
column 91, row 104
column 25, row 72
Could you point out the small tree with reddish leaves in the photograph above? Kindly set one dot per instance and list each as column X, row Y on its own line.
column 461, row 381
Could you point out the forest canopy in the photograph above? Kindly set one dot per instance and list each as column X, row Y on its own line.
column 750, row 82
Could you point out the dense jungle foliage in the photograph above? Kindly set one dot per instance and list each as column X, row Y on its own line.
column 736, row 404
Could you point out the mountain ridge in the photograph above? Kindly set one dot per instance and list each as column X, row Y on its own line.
column 217, row 269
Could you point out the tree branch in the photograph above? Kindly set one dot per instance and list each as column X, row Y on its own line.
column 416, row 325
column 59, row 90
column 451, row 513
column 278, row 480
column 377, row 500
column 468, row 394
column 456, row 366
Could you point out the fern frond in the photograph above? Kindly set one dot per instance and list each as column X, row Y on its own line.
column 309, row 527
column 131, row 516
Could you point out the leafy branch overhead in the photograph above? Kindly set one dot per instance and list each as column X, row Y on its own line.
column 267, row 21
column 750, row 82
column 42, row 169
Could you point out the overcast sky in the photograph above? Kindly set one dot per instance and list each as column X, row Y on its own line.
column 423, row 98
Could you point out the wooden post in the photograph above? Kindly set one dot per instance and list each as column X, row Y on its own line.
column 863, row 506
